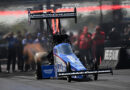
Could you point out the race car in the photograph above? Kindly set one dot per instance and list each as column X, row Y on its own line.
column 68, row 65
column 65, row 62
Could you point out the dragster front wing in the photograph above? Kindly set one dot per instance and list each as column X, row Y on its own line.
column 74, row 73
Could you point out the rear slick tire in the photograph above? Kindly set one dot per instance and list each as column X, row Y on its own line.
column 38, row 71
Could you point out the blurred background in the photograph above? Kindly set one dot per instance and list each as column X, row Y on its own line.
column 106, row 13
column 18, row 20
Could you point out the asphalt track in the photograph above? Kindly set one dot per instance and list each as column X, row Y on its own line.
column 26, row 81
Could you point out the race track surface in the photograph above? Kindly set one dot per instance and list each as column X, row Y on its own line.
column 26, row 81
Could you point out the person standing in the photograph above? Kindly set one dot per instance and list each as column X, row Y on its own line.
column 126, row 37
column 19, row 49
column 11, row 50
column 98, row 44
column 41, row 39
column 115, row 37
column 27, row 40
column 85, row 47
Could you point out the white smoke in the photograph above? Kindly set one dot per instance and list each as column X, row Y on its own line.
column 13, row 19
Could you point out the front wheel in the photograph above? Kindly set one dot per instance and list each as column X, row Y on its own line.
column 96, row 68
column 68, row 68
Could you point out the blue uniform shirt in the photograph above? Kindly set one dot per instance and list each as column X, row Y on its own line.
column 11, row 42
column 26, row 41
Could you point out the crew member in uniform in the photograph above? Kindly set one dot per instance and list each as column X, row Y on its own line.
column 98, row 44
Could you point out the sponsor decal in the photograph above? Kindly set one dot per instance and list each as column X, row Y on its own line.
column 48, row 71
column 111, row 55
column 53, row 15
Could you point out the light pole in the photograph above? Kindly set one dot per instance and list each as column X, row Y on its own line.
column 41, row 21
column 117, row 14
column 39, row 24
column 48, row 21
column 101, row 14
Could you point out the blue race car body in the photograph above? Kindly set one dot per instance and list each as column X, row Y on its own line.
column 62, row 54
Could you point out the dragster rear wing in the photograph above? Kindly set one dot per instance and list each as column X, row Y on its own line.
column 50, row 15
column 74, row 73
